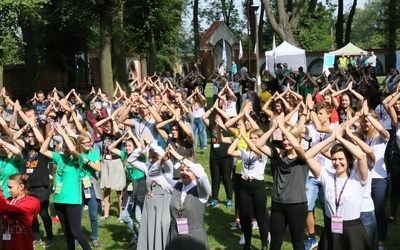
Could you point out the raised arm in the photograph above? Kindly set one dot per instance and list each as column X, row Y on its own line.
column 313, row 164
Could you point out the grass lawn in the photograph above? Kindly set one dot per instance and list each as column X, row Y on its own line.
column 115, row 235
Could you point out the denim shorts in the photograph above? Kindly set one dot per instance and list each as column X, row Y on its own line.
column 313, row 191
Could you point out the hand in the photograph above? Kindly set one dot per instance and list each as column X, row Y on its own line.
column 338, row 131
column 365, row 108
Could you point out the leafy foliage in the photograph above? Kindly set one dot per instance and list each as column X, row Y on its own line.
column 314, row 30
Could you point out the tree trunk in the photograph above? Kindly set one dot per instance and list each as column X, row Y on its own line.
column 119, row 67
column 391, row 35
column 196, row 32
column 283, row 28
column 339, row 25
column 349, row 22
column 30, row 56
column 1, row 77
column 105, row 52
column 151, row 55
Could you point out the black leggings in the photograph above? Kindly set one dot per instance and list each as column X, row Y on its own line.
column 293, row 214
column 253, row 196
column 70, row 217
column 44, row 214
column 221, row 168
column 395, row 187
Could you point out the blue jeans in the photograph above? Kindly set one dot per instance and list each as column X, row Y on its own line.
column 369, row 222
column 379, row 189
column 314, row 191
column 70, row 217
column 126, row 217
column 199, row 128
column 93, row 209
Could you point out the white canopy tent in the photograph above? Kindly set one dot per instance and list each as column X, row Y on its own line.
column 349, row 49
column 286, row 53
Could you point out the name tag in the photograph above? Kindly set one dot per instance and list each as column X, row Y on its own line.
column 6, row 236
column 130, row 187
column 183, row 227
column 86, row 182
column 58, row 188
column 337, row 224
column 29, row 170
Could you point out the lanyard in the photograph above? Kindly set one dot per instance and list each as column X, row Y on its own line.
column 337, row 200
column 144, row 127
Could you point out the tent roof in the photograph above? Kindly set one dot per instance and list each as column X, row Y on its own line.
column 349, row 49
column 287, row 49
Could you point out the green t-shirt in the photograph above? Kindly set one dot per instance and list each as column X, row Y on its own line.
column 87, row 171
column 131, row 172
column 8, row 167
column 67, row 175
column 241, row 145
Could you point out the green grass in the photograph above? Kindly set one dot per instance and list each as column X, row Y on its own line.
column 115, row 235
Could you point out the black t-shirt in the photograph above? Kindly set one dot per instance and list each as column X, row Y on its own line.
column 36, row 167
column 218, row 149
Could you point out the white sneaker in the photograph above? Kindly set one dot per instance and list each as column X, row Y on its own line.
column 254, row 225
column 242, row 241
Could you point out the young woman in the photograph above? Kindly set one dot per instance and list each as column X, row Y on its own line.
column 220, row 161
column 112, row 170
column 181, row 138
column 198, row 103
column 289, row 201
column 67, row 194
column 393, row 107
column 135, row 188
column 252, row 187
column 18, row 213
column 10, row 162
column 90, row 187
column 244, row 121
column 343, row 191
column 377, row 137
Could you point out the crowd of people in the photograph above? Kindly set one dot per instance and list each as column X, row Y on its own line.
column 330, row 138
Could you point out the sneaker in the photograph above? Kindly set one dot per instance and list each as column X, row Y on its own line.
column 311, row 243
column 242, row 241
column 48, row 243
column 37, row 242
column 55, row 219
column 254, row 225
column 76, row 243
column 85, row 207
column 103, row 218
column 96, row 244
column 269, row 238
column 213, row 203
column 133, row 242
column 120, row 219
column 229, row 203
column 381, row 247
column 234, row 225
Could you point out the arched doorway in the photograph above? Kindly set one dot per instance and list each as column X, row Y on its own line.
column 218, row 55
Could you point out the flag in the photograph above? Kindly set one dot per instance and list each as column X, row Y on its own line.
column 240, row 50
column 224, row 52
column 273, row 46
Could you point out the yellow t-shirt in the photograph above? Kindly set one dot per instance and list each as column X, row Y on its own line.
column 264, row 97
column 241, row 145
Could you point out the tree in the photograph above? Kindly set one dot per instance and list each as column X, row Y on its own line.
column 340, row 21
column 288, row 17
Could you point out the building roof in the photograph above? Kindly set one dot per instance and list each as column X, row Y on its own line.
column 216, row 32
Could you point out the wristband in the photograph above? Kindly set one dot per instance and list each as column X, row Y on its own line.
column 367, row 114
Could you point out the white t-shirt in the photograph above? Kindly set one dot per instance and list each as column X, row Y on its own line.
column 143, row 127
column 230, row 108
column 384, row 117
column 378, row 145
column 253, row 165
column 351, row 198
column 317, row 137
column 235, row 87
